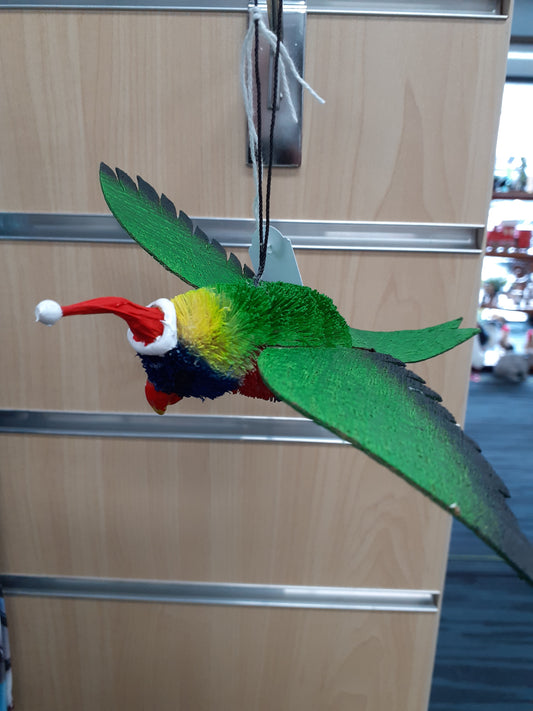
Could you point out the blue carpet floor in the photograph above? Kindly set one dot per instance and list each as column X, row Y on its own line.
column 485, row 648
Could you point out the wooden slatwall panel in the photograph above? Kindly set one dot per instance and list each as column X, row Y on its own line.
column 205, row 658
column 252, row 513
column 407, row 134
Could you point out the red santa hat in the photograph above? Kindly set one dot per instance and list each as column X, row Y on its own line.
column 152, row 329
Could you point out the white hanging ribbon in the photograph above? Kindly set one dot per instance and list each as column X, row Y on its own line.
column 286, row 65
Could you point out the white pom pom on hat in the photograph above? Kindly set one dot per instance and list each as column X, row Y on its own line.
column 167, row 339
column 48, row 312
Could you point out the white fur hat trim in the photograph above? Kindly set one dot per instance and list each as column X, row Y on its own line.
column 167, row 340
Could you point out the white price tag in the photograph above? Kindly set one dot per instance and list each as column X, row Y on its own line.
column 280, row 262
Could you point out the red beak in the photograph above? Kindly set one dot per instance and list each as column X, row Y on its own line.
column 158, row 400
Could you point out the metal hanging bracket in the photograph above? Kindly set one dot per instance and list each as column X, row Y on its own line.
column 287, row 149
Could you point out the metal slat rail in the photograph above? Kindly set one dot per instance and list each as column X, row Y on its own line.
column 425, row 237
column 464, row 9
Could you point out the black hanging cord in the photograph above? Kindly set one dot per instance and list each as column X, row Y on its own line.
column 264, row 231
column 272, row 124
column 259, row 152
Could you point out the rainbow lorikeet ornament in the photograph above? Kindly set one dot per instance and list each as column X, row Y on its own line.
column 288, row 342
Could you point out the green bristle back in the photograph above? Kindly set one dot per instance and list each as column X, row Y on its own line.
column 279, row 314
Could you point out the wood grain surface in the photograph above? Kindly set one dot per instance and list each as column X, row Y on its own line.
column 254, row 513
column 177, row 658
column 407, row 132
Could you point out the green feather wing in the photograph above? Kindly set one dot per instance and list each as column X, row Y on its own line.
column 153, row 223
column 373, row 402
column 416, row 345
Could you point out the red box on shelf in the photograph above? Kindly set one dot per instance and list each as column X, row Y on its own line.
column 523, row 239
